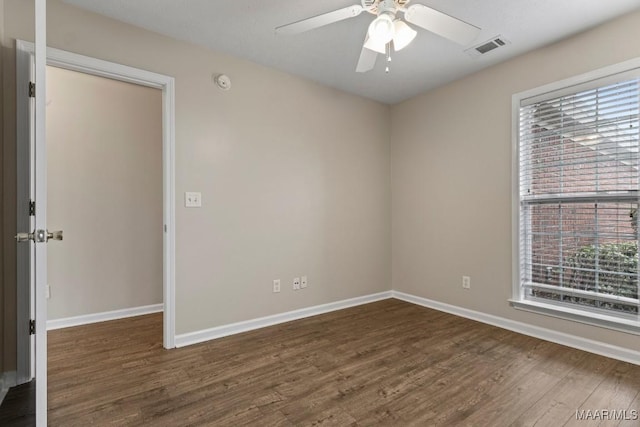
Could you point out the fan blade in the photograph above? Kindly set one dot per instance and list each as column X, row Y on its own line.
column 441, row 24
column 320, row 20
column 367, row 59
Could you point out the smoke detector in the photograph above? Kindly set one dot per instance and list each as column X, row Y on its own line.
column 222, row 81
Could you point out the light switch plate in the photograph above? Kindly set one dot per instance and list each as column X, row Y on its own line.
column 192, row 199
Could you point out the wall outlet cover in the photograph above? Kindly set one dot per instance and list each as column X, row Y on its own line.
column 192, row 199
column 466, row 282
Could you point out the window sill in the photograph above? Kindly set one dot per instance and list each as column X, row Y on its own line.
column 629, row 325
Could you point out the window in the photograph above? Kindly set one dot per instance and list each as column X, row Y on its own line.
column 576, row 198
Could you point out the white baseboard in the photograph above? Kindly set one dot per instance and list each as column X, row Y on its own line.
column 183, row 340
column 103, row 317
column 597, row 347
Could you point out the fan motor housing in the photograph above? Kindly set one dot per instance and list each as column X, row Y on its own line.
column 374, row 6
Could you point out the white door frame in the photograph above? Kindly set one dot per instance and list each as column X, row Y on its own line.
column 75, row 62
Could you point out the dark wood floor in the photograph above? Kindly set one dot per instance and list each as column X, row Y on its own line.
column 18, row 408
column 388, row 362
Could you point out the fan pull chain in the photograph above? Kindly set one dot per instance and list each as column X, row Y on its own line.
column 386, row 70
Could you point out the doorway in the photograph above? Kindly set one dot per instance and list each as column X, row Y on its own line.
column 95, row 67
column 104, row 178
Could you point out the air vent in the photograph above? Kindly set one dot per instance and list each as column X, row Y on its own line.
column 487, row 46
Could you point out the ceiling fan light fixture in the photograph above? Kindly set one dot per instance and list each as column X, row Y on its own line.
column 381, row 30
column 371, row 44
column 403, row 35
column 385, row 28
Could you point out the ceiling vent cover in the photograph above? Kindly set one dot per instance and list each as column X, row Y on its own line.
column 487, row 46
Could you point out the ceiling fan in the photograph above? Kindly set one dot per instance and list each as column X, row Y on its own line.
column 387, row 27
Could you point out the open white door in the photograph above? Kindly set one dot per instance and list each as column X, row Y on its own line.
column 32, row 179
column 25, row 141
column 32, row 231
column 31, row 274
column 41, row 234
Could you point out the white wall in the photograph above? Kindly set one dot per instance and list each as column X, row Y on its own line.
column 295, row 177
column 451, row 162
column 104, row 177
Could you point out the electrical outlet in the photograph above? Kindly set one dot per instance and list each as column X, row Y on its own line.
column 303, row 282
column 296, row 283
column 276, row 285
column 466, row 282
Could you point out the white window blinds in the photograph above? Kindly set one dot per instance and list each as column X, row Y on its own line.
column 578, row 197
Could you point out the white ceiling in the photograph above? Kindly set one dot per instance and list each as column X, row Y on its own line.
column 245, row 28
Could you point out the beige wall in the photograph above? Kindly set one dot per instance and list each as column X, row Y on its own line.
column 295, row 177
column 451, row 162
column 104, row 176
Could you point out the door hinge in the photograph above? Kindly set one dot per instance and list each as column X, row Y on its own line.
column 32, row 90
column 32, row 208
column 32, row 327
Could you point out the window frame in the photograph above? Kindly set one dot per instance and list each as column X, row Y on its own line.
column 518, row 301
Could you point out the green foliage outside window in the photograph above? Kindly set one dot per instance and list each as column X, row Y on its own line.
column 617, row 265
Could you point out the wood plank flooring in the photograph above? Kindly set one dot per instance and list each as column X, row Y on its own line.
column 19, row 406
column 385, row 363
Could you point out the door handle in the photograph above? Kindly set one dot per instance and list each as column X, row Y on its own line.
column 24, row 237
column 39, row 236
column 54, row 235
